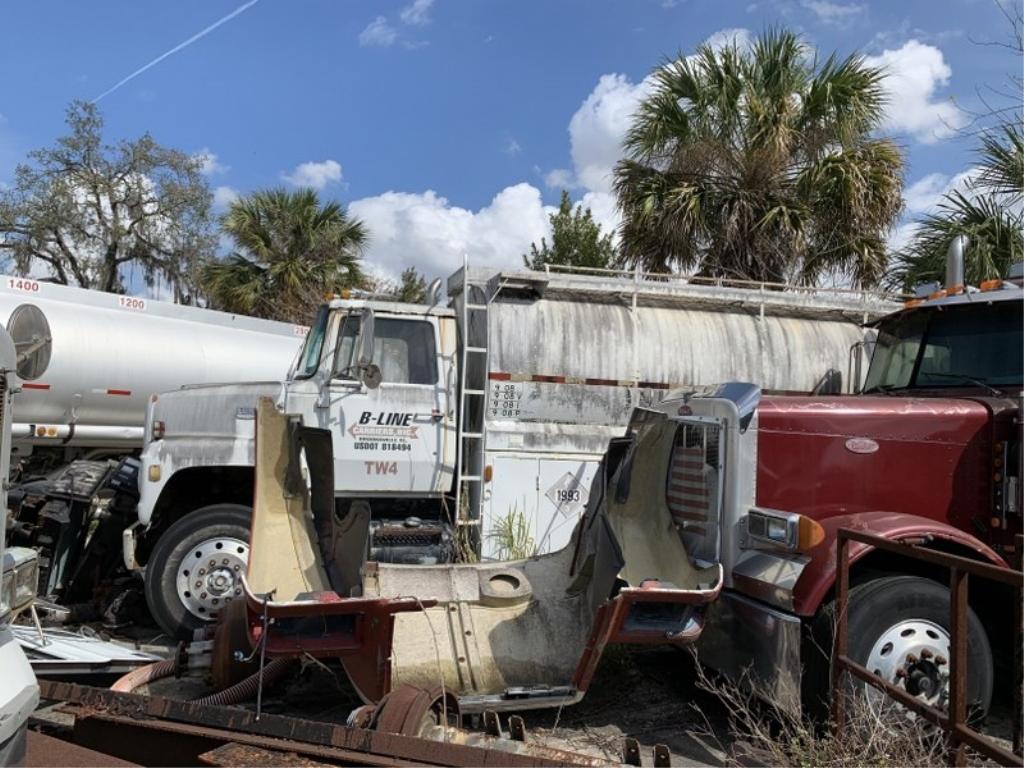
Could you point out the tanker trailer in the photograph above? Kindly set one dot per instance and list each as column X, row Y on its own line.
column 88, row 363
column 450, row 425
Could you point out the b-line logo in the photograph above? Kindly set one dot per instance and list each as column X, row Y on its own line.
column 384, row 431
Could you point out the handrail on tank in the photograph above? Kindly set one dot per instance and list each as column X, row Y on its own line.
column 725, row 282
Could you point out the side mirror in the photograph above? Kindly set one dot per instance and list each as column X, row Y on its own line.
column 371, row 376
column 365, row 358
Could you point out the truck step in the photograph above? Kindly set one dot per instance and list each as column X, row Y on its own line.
column 477, row 350
column 474, row 391
column 477, row 307
column 473, row 435
column 471, row 478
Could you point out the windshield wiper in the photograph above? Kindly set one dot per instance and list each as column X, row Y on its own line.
column 882, row 389
column 970, row 380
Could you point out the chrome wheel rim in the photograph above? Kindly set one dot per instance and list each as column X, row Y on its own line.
column 210, row 575
column 914, row 655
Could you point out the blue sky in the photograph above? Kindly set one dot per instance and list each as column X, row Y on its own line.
column 449, row 125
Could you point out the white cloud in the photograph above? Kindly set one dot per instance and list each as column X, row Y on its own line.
column 915, row 71
column 924, row 196
column 315, row 175
column 378, row 32
column 838, row 14
column 559, row 178
column 597, row 128
column 223, row 197
column 427, row 231
column 417, row 13
column 738, row 36
column 512, row 147
column 210, row 163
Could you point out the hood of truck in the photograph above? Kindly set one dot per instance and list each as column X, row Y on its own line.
column 826, row 456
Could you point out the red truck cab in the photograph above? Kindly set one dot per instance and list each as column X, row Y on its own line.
column 935, row 432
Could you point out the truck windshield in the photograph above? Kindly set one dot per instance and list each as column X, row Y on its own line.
column 952, row 346
column 404, row 350
column 309, row 360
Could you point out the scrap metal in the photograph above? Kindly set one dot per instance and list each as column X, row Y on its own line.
column 953, row 720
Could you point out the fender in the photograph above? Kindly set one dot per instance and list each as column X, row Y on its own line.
column 819, row 575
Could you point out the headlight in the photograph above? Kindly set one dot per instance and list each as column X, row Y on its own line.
column 26, row 584
column 7, row 594
column 782, row 530
column 20, row 579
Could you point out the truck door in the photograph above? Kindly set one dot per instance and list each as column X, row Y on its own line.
column 388, row 439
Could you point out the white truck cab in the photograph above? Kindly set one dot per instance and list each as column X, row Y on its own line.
column 379, row 376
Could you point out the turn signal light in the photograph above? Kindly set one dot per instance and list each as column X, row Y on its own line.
column 153, row 473
column 811, row 534
column 991, row 285
column 488, row 473
column 941, row 294
column 159, row 428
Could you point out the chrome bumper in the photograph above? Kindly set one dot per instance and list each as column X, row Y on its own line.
column 746, row 637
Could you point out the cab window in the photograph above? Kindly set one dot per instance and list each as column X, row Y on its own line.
column 404, row 350
column 309, row 358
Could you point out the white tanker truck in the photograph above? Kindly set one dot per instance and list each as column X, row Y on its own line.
column 88, row 363
column 473, row 429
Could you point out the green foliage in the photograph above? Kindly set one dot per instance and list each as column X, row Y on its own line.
column 88, row 212
column 989, row 213
column 511, row 534
column 576, row 240
column 760, row 164
column 290, row 251
column 412, row 288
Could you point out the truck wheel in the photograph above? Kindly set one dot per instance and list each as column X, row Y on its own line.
column 196, row 568
column 899, row 629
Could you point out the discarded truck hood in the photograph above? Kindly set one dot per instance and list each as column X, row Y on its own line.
column 513, row 635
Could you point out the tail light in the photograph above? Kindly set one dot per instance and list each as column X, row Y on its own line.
column 157, row 430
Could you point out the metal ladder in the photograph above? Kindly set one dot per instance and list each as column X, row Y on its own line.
column 471, row 420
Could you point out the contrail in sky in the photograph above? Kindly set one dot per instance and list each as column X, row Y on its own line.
column 202, row 33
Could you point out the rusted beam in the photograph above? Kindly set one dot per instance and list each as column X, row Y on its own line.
column 957, row 662
column 838, row 709
column 244, row 756
column 944, row 559
column 231, row 723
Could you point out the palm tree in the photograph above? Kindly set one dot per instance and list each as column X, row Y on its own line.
column 989, row 212
column 761, row 164
column 290, row 250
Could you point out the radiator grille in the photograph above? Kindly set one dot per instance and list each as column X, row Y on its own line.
column 693, row 488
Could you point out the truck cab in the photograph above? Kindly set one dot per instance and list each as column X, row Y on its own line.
column 928, row 452
column 380, row 376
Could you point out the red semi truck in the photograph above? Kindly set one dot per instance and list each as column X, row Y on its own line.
column 929, row 451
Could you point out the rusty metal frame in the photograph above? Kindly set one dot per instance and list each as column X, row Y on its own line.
column 954, row 722
column 110, row 712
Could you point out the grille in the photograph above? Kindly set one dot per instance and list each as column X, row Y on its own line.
column 692, row 492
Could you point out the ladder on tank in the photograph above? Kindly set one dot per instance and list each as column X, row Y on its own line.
column 473, row 371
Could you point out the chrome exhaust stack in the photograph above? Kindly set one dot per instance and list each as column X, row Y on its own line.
column 955, row 264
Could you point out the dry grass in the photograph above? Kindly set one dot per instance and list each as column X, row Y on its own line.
column 878, row 733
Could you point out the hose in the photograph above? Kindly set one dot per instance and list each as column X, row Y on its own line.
column 143, row 675
column 246, row 689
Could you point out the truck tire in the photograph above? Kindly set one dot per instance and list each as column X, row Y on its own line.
column 196, row 567
column 898, row 627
